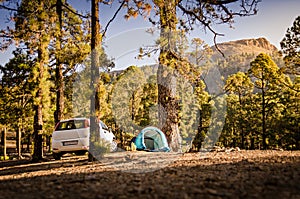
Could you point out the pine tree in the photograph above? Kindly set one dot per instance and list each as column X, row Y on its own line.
column 16, row 96
column 32, row 24
column 267, row 78
column 290, row 47
column 240, row 85
column 290, row 121
column 71, row 46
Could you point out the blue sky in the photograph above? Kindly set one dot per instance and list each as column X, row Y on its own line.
column 125, row 37
column 272, row 20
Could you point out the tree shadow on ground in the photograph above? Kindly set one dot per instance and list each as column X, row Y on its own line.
column 26, row 165
column 276, row 177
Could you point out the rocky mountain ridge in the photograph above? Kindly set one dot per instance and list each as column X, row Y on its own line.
column 249, row 46
column 239, row 54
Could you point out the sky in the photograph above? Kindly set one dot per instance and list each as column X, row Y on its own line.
column 125, row 37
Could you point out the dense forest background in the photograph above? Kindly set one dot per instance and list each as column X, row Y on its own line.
column 261, row 84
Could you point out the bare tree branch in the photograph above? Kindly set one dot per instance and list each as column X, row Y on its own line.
column 8, row 8
column 208, row 11
column 219, row 2
column 113, row 18
column 74, row 12
column 205, row 25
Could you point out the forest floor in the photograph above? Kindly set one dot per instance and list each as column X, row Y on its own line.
column 236, row 174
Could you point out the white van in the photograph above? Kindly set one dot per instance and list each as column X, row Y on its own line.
column 72, row 136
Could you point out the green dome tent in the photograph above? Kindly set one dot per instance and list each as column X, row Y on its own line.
column 151, row 139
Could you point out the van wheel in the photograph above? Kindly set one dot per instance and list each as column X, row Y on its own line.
column 56, row 156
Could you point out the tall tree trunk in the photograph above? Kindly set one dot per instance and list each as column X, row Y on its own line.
column 38, row 106
column 200, row 129
column 168, row 110
column 38, row 124
column 59, row 113
column 264, row 131
column 37, row 133
column 4, row 142
column 94, row 99
column 241, row 123
column 18, row 141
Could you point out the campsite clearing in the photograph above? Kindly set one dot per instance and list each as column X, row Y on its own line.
column 237, row 174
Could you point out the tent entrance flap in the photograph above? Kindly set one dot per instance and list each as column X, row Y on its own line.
column 153, row 140
column 149, row 143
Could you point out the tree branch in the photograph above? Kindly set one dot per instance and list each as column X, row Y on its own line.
column 68, row 8
column 219, row 2
column 8, row 8
column 191, row 13
column 113, row 18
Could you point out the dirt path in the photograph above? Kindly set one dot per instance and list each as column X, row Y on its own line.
column 243, row 174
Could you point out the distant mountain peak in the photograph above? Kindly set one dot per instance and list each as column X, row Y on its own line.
column 259, row 43
column 255, row 46
column 239, row 54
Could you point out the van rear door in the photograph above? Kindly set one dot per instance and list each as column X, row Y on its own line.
column 71, row 130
